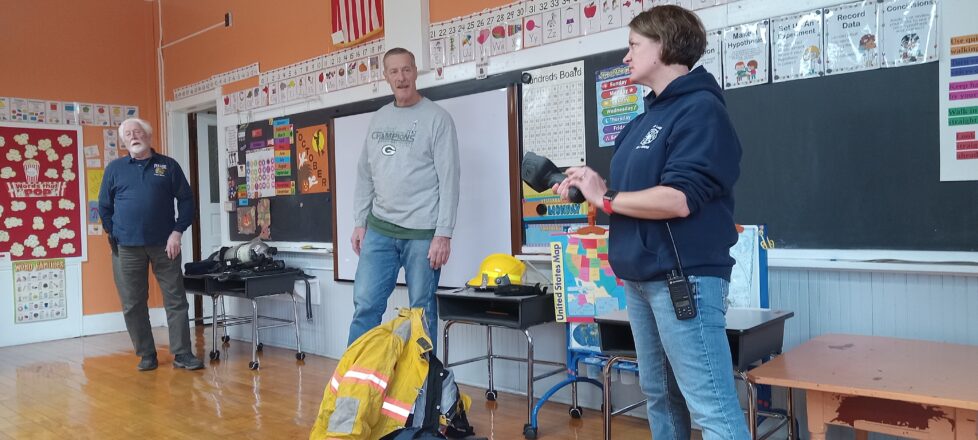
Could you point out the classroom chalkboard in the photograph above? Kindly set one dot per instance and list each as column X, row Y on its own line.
column 839, row 162
column 295, row 202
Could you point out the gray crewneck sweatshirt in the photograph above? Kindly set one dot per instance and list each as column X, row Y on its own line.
column 408, row 171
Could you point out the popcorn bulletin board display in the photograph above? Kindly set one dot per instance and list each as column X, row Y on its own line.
column 41, row 207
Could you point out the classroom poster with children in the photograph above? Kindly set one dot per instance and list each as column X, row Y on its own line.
column 796, row 45
column 745, row 55
column 909, row 32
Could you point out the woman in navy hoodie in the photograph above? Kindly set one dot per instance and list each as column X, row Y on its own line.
column 672, row 179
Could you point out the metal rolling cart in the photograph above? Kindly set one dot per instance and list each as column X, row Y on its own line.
column 485, row 309
column 250, row 287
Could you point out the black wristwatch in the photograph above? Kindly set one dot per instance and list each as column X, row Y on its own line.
column 606, row 199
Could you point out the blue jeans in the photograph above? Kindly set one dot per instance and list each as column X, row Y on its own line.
column 381, row 257
column 685, row 362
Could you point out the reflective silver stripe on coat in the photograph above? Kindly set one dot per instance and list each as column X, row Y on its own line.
column 341, row 421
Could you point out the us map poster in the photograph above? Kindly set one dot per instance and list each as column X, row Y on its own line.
column 590, row 288
column 584, row 285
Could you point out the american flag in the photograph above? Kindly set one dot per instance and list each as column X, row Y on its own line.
column 354, row 20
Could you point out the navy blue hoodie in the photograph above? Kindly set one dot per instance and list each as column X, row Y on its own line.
column 685, row 141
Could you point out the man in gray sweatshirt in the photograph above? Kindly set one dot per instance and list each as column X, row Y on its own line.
column 405, row 200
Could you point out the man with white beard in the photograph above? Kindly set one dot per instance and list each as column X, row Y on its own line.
column 136, row 207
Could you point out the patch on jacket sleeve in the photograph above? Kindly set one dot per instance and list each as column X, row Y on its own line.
column 425, row 345
column 403, row 331
column 341, row 421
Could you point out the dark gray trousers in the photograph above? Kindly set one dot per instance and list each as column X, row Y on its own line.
column 130, row 268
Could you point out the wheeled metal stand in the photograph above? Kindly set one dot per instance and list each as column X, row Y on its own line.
column 213, row 321
column 223, row 320
column 256, row 346
column 250, row 287
column 529, row 429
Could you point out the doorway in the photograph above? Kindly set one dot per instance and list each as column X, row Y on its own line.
column 204, row 176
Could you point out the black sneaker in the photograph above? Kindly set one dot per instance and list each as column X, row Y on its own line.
column 147, row 363
column 187, row 361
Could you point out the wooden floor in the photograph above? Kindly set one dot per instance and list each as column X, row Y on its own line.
column 88, row 388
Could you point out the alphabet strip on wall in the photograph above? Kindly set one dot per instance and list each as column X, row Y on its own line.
column 60, row 112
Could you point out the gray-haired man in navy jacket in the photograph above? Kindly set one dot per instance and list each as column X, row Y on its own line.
column 136, row 206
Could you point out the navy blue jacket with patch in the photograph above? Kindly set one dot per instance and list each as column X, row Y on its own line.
column 136, row 200
column 685, row 141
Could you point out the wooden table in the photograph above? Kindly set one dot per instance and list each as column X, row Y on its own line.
column 908, row 388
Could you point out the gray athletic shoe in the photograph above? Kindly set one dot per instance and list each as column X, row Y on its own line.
column 187, row 361
column 147, row 363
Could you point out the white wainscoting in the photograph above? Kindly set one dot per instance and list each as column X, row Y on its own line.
column 936, row 307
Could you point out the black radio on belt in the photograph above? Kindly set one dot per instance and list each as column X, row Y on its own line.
column 682, row 296
column 680, row 290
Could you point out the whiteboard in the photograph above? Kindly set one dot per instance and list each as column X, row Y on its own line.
column 483, row 223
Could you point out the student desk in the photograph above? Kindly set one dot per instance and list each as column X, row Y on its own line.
column 753, row 335
column 250, row 287
column 908, row 388
column 472, row 307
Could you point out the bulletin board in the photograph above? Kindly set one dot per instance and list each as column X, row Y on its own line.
column 278, row 180
column 42, row 204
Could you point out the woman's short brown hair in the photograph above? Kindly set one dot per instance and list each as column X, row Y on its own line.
column 680, row 32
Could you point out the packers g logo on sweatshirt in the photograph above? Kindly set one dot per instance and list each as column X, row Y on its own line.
column 649, row 138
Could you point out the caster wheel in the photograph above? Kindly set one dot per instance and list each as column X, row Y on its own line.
column 260, row 346
column 253, row 365
column 300, row 356
column 215, row 354
column 225, row 339
column 529, row 432
column 575, row 412
column 491, row 395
